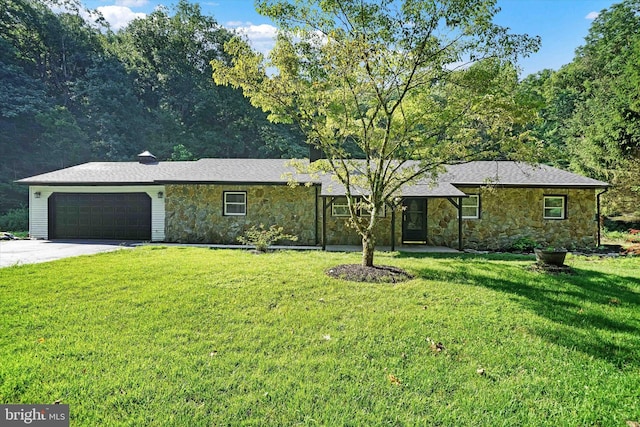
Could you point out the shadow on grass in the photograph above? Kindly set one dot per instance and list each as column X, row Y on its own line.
column 589, row 311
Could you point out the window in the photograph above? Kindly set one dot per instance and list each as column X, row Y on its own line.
column 382, row 212
column 339, row 207
column 471, row 207
column 235, row 203
column 555, row 207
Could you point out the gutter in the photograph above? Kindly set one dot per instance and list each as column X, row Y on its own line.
column 598, row 213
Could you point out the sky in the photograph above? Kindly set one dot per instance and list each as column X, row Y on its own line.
column 562, row 24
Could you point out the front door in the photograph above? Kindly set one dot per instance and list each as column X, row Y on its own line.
column 414, row 220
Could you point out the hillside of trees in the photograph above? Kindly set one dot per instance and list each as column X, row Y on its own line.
column 73, row 91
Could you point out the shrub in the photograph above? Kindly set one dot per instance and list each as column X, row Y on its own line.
column 524, row 244
column 262, row 238
column 15, row 220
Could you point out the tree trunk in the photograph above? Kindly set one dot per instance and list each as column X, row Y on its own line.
column 368, row 245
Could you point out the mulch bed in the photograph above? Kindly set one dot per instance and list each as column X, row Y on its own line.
column 375, row 274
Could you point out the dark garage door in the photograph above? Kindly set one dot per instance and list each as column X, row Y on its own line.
column 122, row 216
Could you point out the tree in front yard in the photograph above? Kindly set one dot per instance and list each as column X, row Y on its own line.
column 378, row 84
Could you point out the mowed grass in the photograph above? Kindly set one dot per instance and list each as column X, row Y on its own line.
column 198, row 337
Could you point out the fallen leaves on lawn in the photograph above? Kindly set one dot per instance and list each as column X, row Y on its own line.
column 436, row 347
column 394, row 380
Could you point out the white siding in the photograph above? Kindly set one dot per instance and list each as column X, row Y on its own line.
column 39, row 206
column 157, row 214
column 39, row 212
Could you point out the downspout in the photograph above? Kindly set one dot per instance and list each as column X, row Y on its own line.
column 598, row 212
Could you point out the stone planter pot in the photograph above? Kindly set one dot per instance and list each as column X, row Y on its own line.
column 550, row 257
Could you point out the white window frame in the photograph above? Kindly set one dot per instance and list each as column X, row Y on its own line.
column 340, row 209
column 382, row 211
column 563, row 208
column 228, row 203
column 475, row 205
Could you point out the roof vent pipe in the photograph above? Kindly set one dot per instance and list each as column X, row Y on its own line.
column 147, row 158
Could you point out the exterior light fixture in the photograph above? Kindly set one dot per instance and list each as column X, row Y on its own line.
column 160, row 194
column 37, row 194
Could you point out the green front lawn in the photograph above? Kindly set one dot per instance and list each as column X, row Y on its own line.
column 198, row 337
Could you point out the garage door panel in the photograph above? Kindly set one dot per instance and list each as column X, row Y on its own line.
column 125, row 216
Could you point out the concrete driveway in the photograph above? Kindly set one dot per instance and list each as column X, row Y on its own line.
column 16, row 252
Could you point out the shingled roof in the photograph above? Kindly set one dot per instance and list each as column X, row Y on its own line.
column 259, row 171
column 517, row 174
column 331, row 188
column 279, row 171
column 111, row 173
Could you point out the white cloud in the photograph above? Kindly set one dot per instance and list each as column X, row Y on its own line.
column 132, row 3
column 119, row 16
column 592, row 15
column 261, row 37
column 236, row 24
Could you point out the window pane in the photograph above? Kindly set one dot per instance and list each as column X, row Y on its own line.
column 553, row 213
column 340, row 210
column 470, row 201
column 469, row 212
column 234, row 198
column 553, row 202
column 382, row 211
column 235, row 209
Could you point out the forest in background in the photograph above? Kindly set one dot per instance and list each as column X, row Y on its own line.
column 73, row 91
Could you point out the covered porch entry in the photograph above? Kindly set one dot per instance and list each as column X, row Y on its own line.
column 415, row 225
column 403, row 225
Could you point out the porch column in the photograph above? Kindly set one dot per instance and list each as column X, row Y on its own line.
column 458, row 206
column 393, row 228
column 324, row 223
column 460, row 223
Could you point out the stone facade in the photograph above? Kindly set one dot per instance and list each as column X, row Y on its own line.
column 339, row 232
column 507, row 214
column 195, row 212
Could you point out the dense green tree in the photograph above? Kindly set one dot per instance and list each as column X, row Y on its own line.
column 605, row 130
column 170, row 55
column 118, row 124
column 402, row 80
column 591, row 114
column 73, row 91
